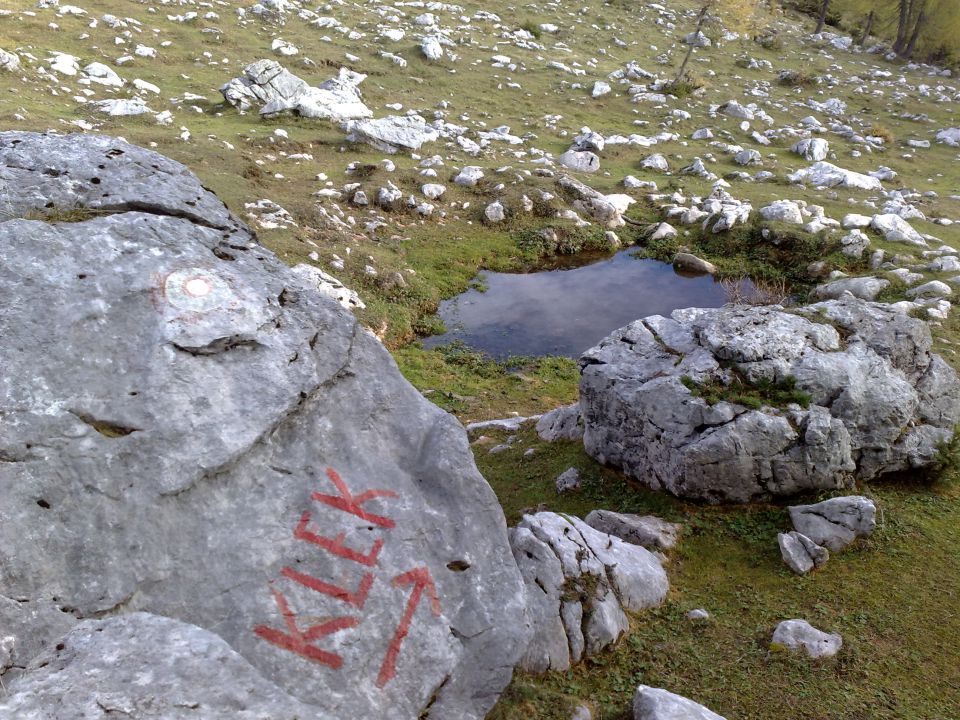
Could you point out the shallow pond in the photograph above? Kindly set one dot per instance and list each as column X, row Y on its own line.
column 567, row 310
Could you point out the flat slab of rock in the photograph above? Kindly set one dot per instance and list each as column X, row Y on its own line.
column 878, row 402
column 837, row 522
column 799, row 635
column 392, row 133
column 647, row 530
column 658, row 704
column 192, row 429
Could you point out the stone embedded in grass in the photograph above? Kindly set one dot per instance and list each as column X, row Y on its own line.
column 469, row 176
column 837, row 522
column 568, row 481
column 799, row 635
column 812, row 149
column 658, row 704
column 800, row 553
column 647, row 530
column 692, row 263
column 824, row 174
column 785, row 211
column 392, row 133
column 865, row 288
column 580, row 160
column 563, row 423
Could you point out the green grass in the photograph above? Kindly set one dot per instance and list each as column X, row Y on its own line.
column 754, row 395
column 892, row 597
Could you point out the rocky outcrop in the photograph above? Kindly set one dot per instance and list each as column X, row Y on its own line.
column 194, row 431
column 267, row 84
column 689, row 403
column 579, row 583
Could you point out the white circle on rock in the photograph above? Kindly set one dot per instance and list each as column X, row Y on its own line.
column 195, row 290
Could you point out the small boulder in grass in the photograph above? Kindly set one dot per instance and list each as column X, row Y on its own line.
column 568, row 481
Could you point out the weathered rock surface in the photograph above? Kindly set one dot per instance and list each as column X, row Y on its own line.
column 563, row 423
column 579, row 582
column 837, row 522
column 193, row 430
column 824, row 174
column 98, row 671
column 880, row 403
column 658, row 704
column 647, row 530
column 800, row 553
column 266, row 83
column 392, row 133
column 802, row 636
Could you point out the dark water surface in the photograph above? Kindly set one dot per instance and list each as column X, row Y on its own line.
column 566, row 311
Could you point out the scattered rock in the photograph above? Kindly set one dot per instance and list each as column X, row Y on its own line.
column 837, row 522
column 658, row 704
column 568, row 481
column 267, row 84
column 692, row 263
column 800, row 553
column 580, row 160
column 800, row 635
column 824, row 174
column 392, row 133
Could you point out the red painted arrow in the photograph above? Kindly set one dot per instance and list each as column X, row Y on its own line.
column 421, row 580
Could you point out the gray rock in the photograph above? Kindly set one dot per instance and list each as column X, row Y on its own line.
column 837, row 522
column 812, row 149
column 561, row 424
column 145, row 666
column 580, row 160
column 799, row 635
column 697, row 614
column 10, row 62
column 647, row 530
column 934, row 288
column 736, row 110
column 824, row 174
column 392, row 133
column 275, row 90
column 785, row 211
column 601, row 576
column 658, row 704
column 800, row 553
column 692, row 263
column 873, row 407
column 495, row 213
column 568, row 481
column 895, row 229
column 122, row 107
column 469, row 176
column 191, row 429
column 655, row 162
column 748, row 157
column 865, row 288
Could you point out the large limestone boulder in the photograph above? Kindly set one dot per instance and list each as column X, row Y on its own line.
column 192, row 430
column 580, row 582
column 879, row 400
column 268, row 85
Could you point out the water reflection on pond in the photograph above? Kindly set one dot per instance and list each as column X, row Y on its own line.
column 566, row 311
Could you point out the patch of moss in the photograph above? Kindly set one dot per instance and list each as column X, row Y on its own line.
column 752, row 394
